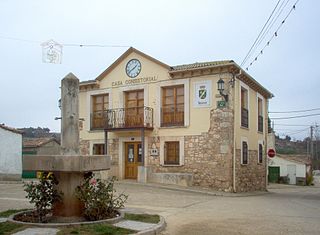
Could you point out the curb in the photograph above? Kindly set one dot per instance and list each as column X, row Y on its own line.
column 190, row 190
column 156, row 229
column 51, row 225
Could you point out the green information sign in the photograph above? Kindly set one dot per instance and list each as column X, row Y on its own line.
column 221, row 104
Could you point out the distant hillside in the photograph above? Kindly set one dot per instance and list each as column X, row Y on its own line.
column 286, row 146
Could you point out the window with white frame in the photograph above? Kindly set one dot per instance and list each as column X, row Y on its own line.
column 260, row 113
column 244, row 153
column 244, row 107
column 172, row 151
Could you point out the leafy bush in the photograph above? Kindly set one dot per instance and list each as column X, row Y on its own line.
column 43, row 194
column 309, row 179
column 99, row 199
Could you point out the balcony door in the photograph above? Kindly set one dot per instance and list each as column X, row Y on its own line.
column 134, row 104
column 133, row 159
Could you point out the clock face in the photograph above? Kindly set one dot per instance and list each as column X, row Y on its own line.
column 133, row 68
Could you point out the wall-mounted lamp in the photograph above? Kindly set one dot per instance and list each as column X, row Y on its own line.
column 221, row 89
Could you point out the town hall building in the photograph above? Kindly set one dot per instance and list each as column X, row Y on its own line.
column 199, row 124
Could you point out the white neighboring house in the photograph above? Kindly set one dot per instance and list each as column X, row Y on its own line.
column 10, row 153
column 292, row 169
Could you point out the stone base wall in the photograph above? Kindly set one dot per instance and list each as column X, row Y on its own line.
column 252, row 176
column 208, row 157
column 10, row 177
column 113, row 145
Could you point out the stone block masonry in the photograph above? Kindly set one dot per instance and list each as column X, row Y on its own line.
column 208, row 157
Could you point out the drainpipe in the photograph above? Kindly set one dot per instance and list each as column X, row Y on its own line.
column 234, row 133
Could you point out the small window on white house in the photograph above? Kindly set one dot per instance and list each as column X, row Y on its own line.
column 244, row 153
column 260, row 154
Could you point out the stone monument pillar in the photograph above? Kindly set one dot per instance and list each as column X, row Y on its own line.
column 69, row 167
column 68, row 181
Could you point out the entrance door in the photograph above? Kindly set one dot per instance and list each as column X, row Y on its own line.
column 134, row 108
column 133, row 159
column 274, row 174
column 292, row 174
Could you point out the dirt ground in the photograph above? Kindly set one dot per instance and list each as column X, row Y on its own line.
column 284, row 210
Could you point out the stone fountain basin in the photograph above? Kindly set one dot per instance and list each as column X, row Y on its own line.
column 66, row 163
column 63, row 224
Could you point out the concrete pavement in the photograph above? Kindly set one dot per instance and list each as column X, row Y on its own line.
column 284, row 210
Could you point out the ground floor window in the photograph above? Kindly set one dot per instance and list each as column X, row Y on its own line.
column 244, row 153
column 171, row 153
column 98, row 149
column 260, row 153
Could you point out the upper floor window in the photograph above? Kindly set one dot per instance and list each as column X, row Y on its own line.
column 244, row 108
column 172, row 109
column 260, row 153
column 260, row 115
column 100, row 103
column 244, row 153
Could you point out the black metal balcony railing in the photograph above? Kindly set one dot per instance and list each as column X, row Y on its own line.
column 244, row 117
column 260, row 123
column 172, row 116
column 136, row 117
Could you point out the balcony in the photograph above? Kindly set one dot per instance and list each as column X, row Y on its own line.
column 172, row 116
column 244, row 117
column 122, row 118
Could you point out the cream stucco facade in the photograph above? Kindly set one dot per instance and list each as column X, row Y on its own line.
column 208, row 140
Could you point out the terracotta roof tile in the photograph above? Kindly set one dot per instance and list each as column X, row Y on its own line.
column 36, row 142
column 10, row 129
column 200, row 65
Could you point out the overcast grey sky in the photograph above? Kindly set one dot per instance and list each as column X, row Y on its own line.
column 174, row 32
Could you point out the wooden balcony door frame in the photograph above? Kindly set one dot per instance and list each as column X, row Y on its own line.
column 134, row 104
column 133, row 159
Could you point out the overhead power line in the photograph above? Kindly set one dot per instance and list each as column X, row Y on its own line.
column 300, row 116
column 262, row 30
column 296, row 111
column 279, row 124
column 63, row 44
column 275, row 34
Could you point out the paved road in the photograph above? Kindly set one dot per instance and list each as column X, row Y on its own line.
column 285, row 210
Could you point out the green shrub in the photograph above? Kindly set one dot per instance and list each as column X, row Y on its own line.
column 309, row 179
column 43, row 194
column 99, row 199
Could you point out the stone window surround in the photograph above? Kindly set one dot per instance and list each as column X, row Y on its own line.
column 260, row 142
column 122, row 90
column 259, row 96
column 93, row 142
column 244, row 139
column 89, row 104
column 245, row 86
column 185, row 83
column 181, row 149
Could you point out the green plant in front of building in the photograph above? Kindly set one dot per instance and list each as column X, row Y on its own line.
column 43, row 194
column 99, row 198
column 309, row 180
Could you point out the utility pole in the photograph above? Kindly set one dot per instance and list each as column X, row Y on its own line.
column 311, row 141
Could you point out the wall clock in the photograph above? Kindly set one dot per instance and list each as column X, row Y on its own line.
column 133, row 68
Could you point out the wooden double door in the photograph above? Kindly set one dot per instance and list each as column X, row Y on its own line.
column 134, row 116
column 133, row 159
